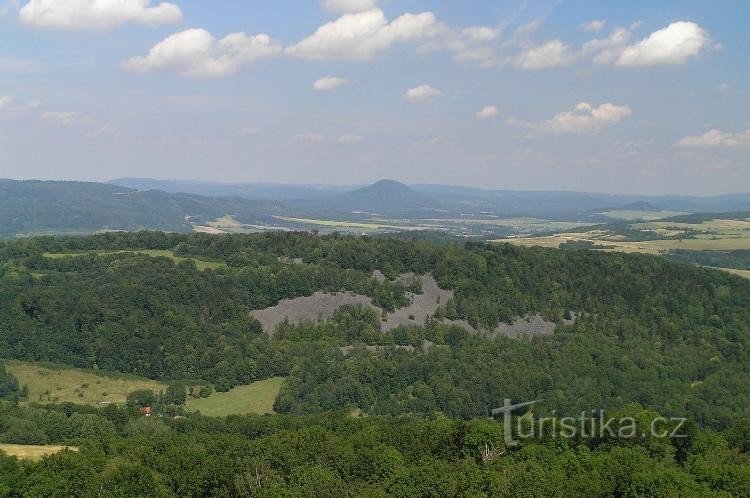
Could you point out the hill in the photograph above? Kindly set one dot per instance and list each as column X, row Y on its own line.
column 37, row 207
column 385, row 197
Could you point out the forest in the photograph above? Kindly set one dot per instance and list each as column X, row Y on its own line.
column 363, row 410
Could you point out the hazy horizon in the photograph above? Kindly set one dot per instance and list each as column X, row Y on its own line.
column 583, row 96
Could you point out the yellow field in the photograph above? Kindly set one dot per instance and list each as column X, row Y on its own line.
column 632, row 215
column 57, row 385
column 200, row 264
column 257, row 397
column 741, row 273
column 32, row 451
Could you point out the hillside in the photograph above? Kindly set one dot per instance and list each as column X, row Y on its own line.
column 166, row 320
column 34, row 207
column 385, row 197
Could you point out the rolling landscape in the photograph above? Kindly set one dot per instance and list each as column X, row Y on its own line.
column 374, row 248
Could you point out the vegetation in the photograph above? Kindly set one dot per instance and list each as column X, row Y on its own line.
column 362, row 410
column 124, row 454
column 739, row 259
column 49, row 383
column 257, row 397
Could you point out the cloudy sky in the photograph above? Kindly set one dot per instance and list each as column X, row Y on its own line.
column 626, row 97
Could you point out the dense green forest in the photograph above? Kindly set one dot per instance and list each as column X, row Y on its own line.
column 120, row 453
column 739, row 259
column 671, row 337
column 649, row 337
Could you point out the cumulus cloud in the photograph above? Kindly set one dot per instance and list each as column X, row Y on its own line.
column 674, row 44
column 97, row 14
column 309, row 139
column 349, row 138
column 364, row 34
column 249, row 130
column 5, row 101
column 422, row 94
column 584, row 119
column 595, row 25
column 717, row 138
column 64, row 118
column 348, row 6
column 328, row 83
column 488, row 112
column 196, row 53
column 553, row 53
column 470, row 45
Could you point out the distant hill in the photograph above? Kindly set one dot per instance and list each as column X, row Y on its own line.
column 256, row 191
column 81, row 207
column 384, row 197
column 393, row 198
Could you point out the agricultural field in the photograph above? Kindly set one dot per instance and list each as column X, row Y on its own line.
column 56, row 384
column 734, row 271
column 33, row 451
column 154, row 253
column 635, row 215
column 257, row 397
column 716, row 234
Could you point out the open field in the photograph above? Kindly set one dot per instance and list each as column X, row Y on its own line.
column 734, row 271
column 50, row 383
column 33, row 451
column 634, row 215
column 647, row 246
column 154, row 253
column 257, row 397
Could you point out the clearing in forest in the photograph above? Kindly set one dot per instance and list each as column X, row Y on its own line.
column 257, row 397
column 58, row 384
column 33, row 451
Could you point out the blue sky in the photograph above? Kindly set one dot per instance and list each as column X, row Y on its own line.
column 626, row 97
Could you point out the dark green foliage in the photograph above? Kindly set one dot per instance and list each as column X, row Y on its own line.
column 672, row 337
column 9, row 387
column 739, row 259
column 339, row 455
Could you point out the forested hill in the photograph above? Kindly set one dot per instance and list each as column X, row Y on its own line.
column 669, row 336
column 29, row 207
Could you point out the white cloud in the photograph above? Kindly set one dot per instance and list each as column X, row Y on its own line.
column 582, row 120
column 309, row 139
column 348, row 6
column 674, row 44
column 196, row 53
column 363, row 35
column 18, row 66
column 97, row 14
column 608, row 49
column 471, row 45
column 724, row 87
column 717, row 138
column 5, row 101
column 488, row 112
column 422, row 94
column 554, row 53
column 349, row 139
column 595, row 25
column 64, row 118
column 249, row 130
column 328, row 83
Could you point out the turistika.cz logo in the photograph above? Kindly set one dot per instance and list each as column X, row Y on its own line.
column 593, row 424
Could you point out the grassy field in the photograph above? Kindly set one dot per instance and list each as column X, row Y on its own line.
column 200, row 264
column 734, row 271
column 648, row 246
column 32, row 451
column 257, row 397
column 634, row 215
column 50, row 383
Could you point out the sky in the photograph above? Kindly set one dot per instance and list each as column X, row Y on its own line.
column 619, row 97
